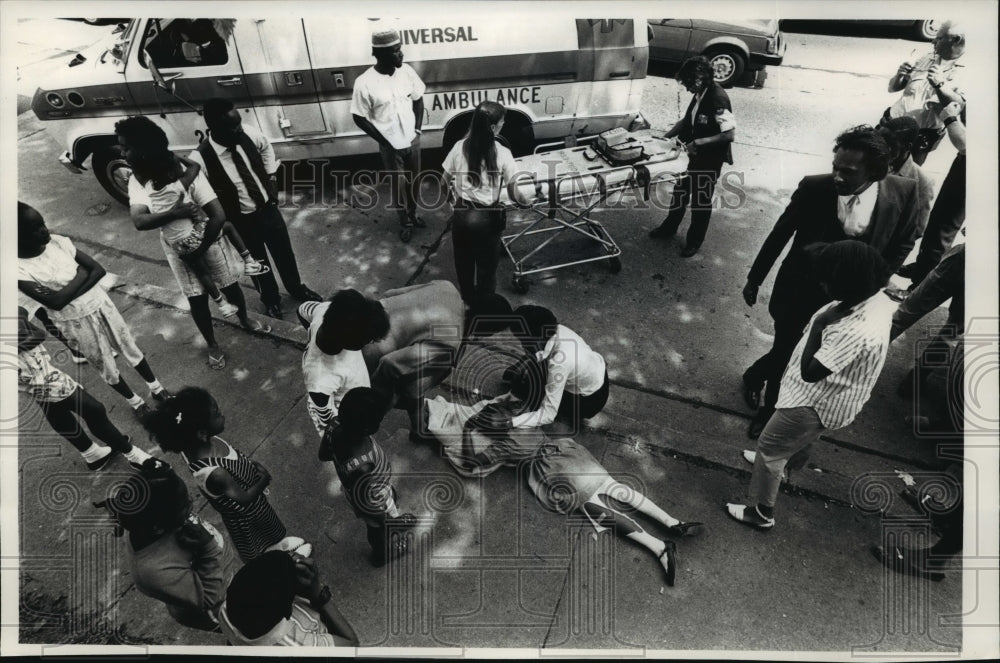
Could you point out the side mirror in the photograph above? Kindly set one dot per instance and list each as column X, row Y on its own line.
column 158, row 78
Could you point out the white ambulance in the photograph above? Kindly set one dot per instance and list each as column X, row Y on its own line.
column 293, row 77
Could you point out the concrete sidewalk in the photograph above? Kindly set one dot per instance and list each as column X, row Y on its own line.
column 492, row 568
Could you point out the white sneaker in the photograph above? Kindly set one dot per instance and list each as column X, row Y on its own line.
column 293, row 544
column 226, row 309
column 253, row 267
column 750, row 456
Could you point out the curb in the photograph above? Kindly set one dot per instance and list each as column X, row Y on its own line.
column 283, row 331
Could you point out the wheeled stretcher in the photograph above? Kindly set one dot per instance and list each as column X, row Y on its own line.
column 567, row 183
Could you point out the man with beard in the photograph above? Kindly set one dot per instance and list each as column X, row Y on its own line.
column 858, row 200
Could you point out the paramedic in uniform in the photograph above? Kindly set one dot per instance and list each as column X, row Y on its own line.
column 928, row 85
column 707, row 129
column 240, row 166
column 388, row 105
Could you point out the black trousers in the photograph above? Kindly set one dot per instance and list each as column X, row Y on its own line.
column 62, row 416
column 475, row 238
column 946, row 219
column 265, row 231
column 575, row 408
column 788, row 330
column 695, row 189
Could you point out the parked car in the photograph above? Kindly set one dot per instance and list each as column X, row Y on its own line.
column 733, row 48
column 922, row 30
column 101, row 21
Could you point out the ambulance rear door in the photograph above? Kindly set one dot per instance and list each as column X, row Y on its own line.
column 614, row 56
column 196, row 59
column 280, row 79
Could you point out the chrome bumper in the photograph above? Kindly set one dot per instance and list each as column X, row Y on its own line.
column 71, row 166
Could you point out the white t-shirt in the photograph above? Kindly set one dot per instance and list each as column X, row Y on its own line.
column 163, row 200
column 387, row 102
column 330, row 374
column 487, row 192
column 200, row 192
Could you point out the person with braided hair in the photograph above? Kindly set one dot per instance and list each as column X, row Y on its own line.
column 188, row 423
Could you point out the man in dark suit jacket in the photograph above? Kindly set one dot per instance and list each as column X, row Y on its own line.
column 859, row 200
column 240, row 165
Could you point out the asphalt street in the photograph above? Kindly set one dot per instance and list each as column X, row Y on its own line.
column 495, row 569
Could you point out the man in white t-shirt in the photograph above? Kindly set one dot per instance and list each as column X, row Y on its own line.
column 388, row 105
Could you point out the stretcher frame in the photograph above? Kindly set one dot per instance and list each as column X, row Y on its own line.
column 556, row 217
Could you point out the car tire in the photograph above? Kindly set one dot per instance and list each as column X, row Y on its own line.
column 112, row 172
column 925, row 30
column 728, row 64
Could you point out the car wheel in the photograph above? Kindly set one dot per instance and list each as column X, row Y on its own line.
column 728, row 65
column 925, row 30
column 112, row 172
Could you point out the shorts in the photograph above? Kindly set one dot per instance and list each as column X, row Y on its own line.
column 190, row 242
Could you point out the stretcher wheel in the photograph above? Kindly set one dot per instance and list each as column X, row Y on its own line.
column 614, row 265
column 405, row 234
column 519, row 284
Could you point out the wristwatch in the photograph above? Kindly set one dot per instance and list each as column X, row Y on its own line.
column 950, row 120
column 323, row 598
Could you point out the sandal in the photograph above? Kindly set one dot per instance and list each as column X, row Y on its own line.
column 256, row 327
column 217, row 362
column 685, row 529
column 670, row 550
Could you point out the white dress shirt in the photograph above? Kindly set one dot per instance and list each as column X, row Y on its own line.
column 247, row 205
column 855, row 211
column 573, row 367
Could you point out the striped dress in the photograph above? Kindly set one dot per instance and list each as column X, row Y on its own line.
column 254, row 527
column 370, row 494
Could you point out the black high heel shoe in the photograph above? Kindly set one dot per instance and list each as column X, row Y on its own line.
column 685, row 529
column 670, row 551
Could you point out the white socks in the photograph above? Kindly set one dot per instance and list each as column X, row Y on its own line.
column 136, row 401
column 155, row 386
column 95, row 453
column 137, row 455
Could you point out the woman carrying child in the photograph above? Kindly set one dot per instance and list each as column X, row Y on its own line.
column 170, row 193
column 189, row 423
